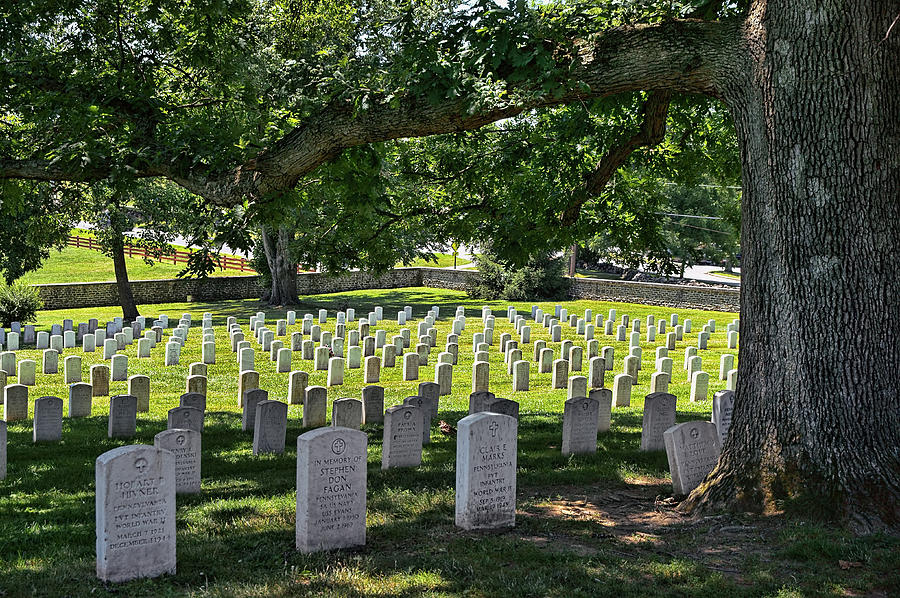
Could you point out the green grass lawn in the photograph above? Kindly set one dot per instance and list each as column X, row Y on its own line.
column 78, row 264
column 584, row 273
column 587, row 525
column 734, row 275
column 442, row 260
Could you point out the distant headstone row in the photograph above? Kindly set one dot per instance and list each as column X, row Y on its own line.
column 363, row 343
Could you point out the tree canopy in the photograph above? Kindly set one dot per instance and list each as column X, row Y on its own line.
column 238, row 100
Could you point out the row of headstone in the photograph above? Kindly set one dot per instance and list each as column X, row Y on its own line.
column 518, row 368
column 136, row 490
column 67, row 335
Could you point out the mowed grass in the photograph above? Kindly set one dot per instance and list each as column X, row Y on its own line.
column 585, row 524
column 586, row 273
column 78, row 264
column 734, row 275
column 441, row 260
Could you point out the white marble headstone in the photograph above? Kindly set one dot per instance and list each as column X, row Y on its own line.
column 580, row 422
column 692, row 449
column 135, row 513
column 269, row 427
column 659, row 416
column 402, row 445
column 122, row 416
column 186, row 446
column 331, row 489
column 486, row 471
column 48, row 412
column 722, row 406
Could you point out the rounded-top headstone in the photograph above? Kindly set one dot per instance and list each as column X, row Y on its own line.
column 186, row 446
column 692, row 449
column 486, row 471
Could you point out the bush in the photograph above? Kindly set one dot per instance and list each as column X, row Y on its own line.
column 540, row 278
column 19, row 302
column 259, row 263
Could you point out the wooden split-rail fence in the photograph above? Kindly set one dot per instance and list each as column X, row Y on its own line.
column 225, row 262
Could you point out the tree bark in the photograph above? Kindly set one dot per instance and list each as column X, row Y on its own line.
column 126, row 297
column 573, row 260
column 816, row 422
column 283, row 270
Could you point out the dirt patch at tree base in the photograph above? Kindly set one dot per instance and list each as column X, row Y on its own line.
column 641, row 517
column 638, row 521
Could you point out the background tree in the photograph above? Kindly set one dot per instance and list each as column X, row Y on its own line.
column 151, row 215
column 39, row 216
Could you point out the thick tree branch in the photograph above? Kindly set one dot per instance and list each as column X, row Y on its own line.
column 46, row 170
column 652, row 132
column 682, row 56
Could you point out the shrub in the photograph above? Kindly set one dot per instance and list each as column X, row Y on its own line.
column 539, row 278
column 259, row 263
column 19, row 302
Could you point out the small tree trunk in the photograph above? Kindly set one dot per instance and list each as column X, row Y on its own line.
column 126, row 298
column 283, row 269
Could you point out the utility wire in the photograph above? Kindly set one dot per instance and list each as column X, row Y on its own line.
column 711, row 230
column 689, row 216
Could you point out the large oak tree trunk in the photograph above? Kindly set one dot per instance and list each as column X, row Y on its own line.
column 817, row 414
column 276, row 244
column 126, row 297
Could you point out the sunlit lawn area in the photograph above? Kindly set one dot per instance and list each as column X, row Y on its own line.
column 588, row 525
column 734, row 275
column 442, row 260
column 78, row 264
column 586, row 273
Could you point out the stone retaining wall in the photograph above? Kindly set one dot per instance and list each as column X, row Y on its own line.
column 440, row 278
column 100, row 294
column 315, row 283
column 668, row 295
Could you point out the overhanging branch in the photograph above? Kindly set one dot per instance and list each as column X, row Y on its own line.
column 652, row 132
column 676, row 56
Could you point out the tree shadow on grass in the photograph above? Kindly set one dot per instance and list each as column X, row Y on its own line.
column 579, row 529
column 392, row 301
column 246, row 507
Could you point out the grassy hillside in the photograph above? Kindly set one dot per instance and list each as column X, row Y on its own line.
column 77, row 264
